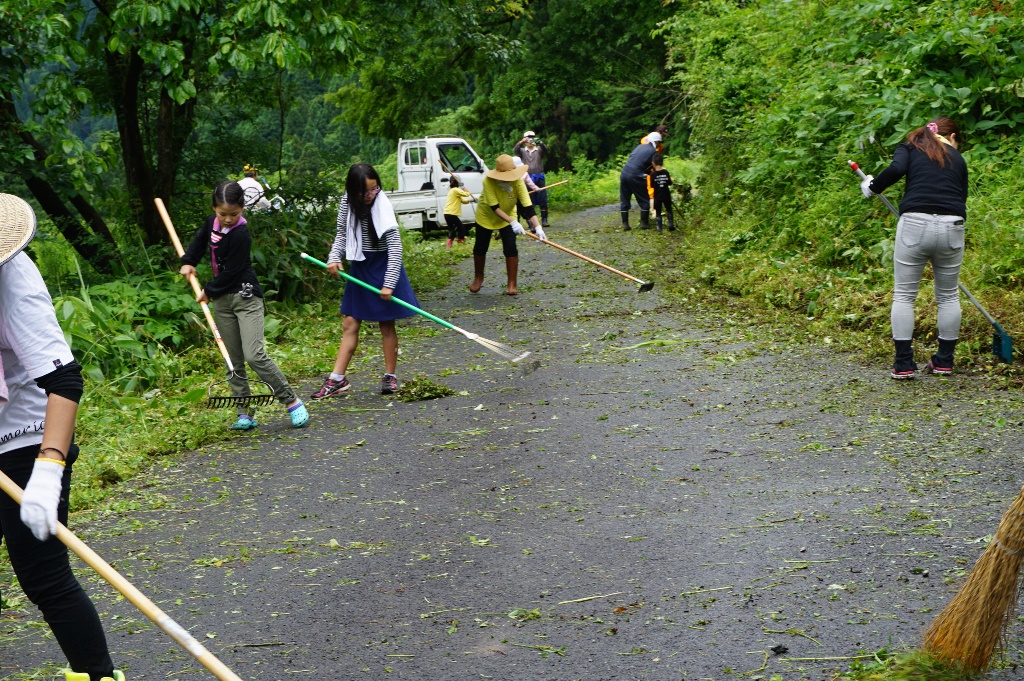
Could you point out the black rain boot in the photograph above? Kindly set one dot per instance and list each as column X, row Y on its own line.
column 645, row 221
column 903, row 367
column 625, row 220
column 657, row 222
column 544, row 218
column 942, row 361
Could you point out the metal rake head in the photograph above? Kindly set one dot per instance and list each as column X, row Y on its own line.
column 244, row 401
column 646, row 286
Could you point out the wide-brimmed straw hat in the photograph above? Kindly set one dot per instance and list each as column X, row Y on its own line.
column 505, row 169
column 17, row 226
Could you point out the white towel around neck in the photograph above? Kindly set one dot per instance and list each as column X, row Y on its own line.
column 382, row 214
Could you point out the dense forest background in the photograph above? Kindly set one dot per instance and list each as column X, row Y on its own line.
column 106, row 104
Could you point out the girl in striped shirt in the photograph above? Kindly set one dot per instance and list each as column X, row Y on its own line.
column 368, row 238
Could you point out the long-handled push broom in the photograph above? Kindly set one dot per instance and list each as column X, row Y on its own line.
column 644, row 285
column 212, row 400
column 136, row 597
column 506, row 351
column 970, row 629
column 1002, row 344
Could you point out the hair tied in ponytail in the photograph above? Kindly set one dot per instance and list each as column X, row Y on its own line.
column 933, row 128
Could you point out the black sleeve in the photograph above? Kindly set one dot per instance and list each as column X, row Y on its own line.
column 235, row 264
column 528, row 211
column 66, row 381
column 963, row 181
column 895, row 172
column 196, row 248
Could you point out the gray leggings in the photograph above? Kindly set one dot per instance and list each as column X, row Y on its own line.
column 923, row 238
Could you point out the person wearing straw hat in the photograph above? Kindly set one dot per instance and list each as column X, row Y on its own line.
column 40, row 387
column 496, row 212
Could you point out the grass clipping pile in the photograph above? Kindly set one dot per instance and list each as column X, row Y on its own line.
column 422, row 388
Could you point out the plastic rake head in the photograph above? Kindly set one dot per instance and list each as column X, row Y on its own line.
column 506, row 351
column 245, row 401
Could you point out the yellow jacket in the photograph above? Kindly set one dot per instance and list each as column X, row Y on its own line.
column 456, row 197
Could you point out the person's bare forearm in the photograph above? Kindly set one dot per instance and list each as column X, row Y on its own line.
column 59, row 426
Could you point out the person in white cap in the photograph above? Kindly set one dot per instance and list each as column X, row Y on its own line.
column 532, row 152
column 496, row 211
column 40, row 387
column 633, row 181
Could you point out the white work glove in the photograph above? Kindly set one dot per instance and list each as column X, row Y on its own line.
column 39, row 502
column 517, row 228
column 539, row 231
column 865, row 186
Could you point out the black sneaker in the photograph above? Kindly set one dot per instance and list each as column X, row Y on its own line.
column 388, row 384
column 330, row 387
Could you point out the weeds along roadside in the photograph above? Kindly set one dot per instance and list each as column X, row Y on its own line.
column 149, row 358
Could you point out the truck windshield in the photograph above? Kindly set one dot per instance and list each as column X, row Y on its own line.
column 458, row 158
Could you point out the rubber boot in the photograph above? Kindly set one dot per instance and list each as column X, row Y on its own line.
column 903, row 366
column 671, row 223
column 544, row 218
column 645, row 219
column 657, row 223
column 478, row 273
column 942, row 361
column 625, row 220
column 512, row 272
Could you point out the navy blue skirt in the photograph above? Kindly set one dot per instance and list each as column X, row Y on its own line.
column 367, row 306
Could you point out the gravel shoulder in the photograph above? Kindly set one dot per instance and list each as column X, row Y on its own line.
column 677, row 492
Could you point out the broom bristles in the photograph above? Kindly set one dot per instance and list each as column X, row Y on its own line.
column 970, row 629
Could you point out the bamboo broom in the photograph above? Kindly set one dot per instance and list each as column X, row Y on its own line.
column 970, row 629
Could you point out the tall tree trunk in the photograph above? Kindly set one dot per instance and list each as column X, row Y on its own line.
column 94, row 248
column 174, row 124
column 125, row 76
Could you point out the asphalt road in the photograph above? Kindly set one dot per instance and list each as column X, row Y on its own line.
column 721, row 502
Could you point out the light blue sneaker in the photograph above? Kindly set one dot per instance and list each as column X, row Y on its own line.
column 300, row 416
column 244, row 423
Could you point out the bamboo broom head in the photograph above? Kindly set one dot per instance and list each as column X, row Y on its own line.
column 970, row 629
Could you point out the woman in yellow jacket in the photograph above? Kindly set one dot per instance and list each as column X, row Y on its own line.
column 496, row 211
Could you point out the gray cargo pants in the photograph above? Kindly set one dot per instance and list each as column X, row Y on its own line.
column 240, row 321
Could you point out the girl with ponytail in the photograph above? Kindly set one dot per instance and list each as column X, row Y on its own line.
column 930, row 230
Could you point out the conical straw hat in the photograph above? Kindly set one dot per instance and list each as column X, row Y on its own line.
column 17, row 226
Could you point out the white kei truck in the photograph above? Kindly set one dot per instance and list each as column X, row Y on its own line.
column 424, row 168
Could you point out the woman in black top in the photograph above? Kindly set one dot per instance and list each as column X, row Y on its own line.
column 930, row 229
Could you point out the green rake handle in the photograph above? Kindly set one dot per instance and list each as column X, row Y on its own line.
column 345, row 275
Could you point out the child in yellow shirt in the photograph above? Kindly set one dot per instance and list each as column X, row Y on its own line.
column 457, row 196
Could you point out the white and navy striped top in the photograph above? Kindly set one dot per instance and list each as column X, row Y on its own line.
column 390, row 242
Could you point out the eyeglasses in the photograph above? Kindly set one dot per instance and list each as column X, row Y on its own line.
column 374, row 191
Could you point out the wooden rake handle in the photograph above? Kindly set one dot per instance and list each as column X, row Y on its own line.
column 583, row 257
column 545, row 188
column 128, row 590
column 195, row 282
